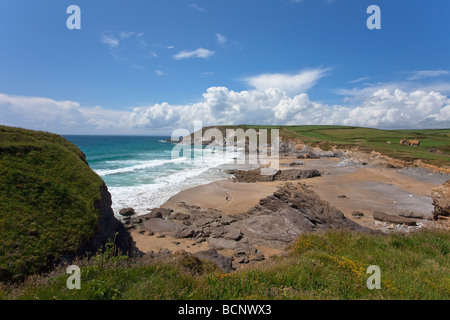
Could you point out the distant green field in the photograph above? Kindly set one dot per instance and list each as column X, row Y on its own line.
column 434, row 143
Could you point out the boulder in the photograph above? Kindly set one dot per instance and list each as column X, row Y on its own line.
column 381, row 216
column 297, row 163
column 311, row 155
column 441, row 200
column 232, row 233
column 224, row 263
column 222, row 243
column 203, row 222
column 161, row 212
column 217, row 232
column 227, row 232
column 259, row 256
column 250, row 176
column 163, row 226
column 213, row 213
column 187, row 232
column 411, row 215
column 153, row 215
column 357, row 214
column 242, row 259
column 126, row 212
column 295, row 174
column 179, row 216
column 292, row 210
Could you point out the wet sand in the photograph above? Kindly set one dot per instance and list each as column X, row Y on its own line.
column 230, row 197
column 225, row 195
column 366, row 189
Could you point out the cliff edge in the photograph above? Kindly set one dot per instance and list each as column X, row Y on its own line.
column 53, row 207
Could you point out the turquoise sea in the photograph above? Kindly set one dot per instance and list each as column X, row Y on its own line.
column 140, row 172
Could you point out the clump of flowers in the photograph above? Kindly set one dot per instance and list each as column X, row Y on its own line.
column 350, row 266
column 303, row 244
column 222, row 276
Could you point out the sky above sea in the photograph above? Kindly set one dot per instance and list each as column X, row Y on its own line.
column 149, row 67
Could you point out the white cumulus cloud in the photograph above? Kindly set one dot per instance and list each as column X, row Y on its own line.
column 198, row 53
column 52, row 115
column 385, row 108
column 399, row 109
column 290, row 83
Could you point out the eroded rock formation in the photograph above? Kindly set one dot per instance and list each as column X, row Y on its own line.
column 250, row 176
column 441, row 200
column 292, row 210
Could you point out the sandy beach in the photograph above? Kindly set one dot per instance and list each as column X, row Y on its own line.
column 230, row 197
column 225, row 195
column 348, row 187
column 368, row 189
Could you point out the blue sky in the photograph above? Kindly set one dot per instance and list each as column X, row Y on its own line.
column 147, row 67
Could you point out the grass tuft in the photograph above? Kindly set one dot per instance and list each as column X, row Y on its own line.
column 328, row 265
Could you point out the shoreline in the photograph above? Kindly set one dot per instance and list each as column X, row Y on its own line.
column 241, row 198
column 348, row 188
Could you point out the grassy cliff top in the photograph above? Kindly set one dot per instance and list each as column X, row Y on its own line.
column 434, row 143
column 434, row 146
column 47, row 196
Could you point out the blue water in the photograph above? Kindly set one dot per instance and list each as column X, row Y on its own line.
column 140, row 171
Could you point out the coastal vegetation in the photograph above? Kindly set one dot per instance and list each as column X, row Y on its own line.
column 434, row 143
column 326, row 265
column 47, row 196
column 434, row 146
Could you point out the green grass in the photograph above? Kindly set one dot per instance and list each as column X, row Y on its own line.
column 47, row 195
column 434, row 143
column 330, row 265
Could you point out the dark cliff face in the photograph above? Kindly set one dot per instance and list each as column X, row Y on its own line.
column 108, row 229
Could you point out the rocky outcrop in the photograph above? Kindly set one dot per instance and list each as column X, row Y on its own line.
column 210, row 226
column 224, row 263
column 441, row 200
column 108, row 230
column 296, row 163
column 302, row 151
column 277, row 221
column 250, row 176
column 295, row 174
column 191, row 262
column 126, row 212
column 390, row 218
column 291, row 211
column 372, row 159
